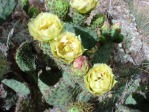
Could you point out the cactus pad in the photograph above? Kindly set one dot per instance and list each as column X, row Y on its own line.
column 33, row 11
column 78, row 18
column 25, row 5
column 63, row 95
column 25, row 57
column 84, row 97
column 98, row 21
column 103, row 53
column 71, row 78
column 45, row 48
column 17, row 86
column 6, row 9
column 58, row 7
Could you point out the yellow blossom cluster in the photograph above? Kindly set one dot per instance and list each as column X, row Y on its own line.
column 66, row 46
column 47, row 27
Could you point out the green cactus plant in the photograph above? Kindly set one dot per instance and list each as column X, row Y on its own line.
column 71, row 78
column 78, row 18
column 58, row 7
column 54, row 89
column 102, row 39
column 117, row 39
column 45, row 47
column 17, row 86
column 103, row 53
column 115, row 29
column 25, row 5
column 68, row 80
column 61, row 95
column 98, row 21
column 46, row 79
column 6, row 9
column 105, row 29
column 25, row 58
column 115, row 33
column 84, row 97
column 33, row 11
column 80, row 107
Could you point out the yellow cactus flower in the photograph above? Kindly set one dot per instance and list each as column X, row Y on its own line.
column 99, row 79
column 45, row 27
column 83, row 6
column 67, row 47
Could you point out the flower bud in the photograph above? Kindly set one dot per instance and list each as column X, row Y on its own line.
column 105, row 29
column 115, row 30
column 102, row 39
column 118, row 39
column 98, row 21
column 80, row 65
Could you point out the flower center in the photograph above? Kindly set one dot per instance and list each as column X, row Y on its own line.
column 66, row 48
column 45, row 25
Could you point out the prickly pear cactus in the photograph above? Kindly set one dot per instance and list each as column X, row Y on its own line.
column 115, row 33
column 103, row 53
column 78, row 18
column 25, row 5
column 31, row 8
column 105, row 29
column 84, row 97
column 58, row 7
column 60, row 95
column 71, row 78
column 63, row 95
column 98, row 21
column 46, row 81
column 25, row 58
column 33, row 11
column 17, row 86
column 55, row 91
column 4, row 65
column 45, row 48
column 6, row 9
column 74, row 86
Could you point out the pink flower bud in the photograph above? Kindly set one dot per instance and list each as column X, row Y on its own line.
column 80, row 65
